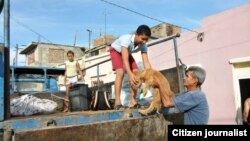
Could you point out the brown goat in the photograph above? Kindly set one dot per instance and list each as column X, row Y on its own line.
column 147, row 77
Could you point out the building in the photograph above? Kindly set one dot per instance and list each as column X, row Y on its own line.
column 104, row 40
column 48, row 54
column 101, row 46
column 223, row 50
column 163, row 30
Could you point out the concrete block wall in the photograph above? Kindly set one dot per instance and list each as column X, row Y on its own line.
column 101, row 40
column 163, row 30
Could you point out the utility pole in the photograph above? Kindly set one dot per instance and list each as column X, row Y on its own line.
column 1, row 5
column 89, row 37
column 105, row 26
column 16, row 58
column 5, row 87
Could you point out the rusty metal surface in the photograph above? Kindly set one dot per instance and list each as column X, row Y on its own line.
column 150, row 128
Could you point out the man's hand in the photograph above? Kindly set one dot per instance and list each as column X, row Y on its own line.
column 133, row 80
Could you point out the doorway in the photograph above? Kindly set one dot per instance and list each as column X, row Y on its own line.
column 244, row 91
column 241, row 81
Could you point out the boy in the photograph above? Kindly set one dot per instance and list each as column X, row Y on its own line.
column 71, row 76
column 121, row 57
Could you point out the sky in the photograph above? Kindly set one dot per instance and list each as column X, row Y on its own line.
column 66, row 21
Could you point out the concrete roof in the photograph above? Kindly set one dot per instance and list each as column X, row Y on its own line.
column 33, row 45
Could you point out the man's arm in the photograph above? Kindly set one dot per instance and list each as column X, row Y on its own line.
column 166, row 100
column 145, row 60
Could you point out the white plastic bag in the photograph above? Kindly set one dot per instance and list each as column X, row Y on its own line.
column 27, row 105
column 144, row 100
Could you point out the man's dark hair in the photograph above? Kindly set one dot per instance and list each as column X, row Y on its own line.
column 143, row 30
column 70, row 52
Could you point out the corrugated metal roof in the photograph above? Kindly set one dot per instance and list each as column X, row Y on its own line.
column 29, row 47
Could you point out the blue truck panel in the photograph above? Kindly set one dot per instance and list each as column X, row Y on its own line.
column 73, row 118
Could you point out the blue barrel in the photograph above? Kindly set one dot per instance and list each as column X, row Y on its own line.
column 52, row 86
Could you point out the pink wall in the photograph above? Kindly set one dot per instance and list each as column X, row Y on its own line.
column 227, row 36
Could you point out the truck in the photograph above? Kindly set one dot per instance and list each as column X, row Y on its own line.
column 32, row 79
column 78, row 125
column 92, row 125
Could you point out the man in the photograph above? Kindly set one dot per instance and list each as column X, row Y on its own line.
column 193, row 102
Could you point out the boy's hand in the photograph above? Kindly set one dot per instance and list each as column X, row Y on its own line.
column 133, row 80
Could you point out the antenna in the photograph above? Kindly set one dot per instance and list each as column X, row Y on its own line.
column 105, row 25
column 75, row 39
column 100, row 32
column 105, row 17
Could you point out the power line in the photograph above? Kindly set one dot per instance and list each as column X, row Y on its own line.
column 30, row 29
column 147, row 16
